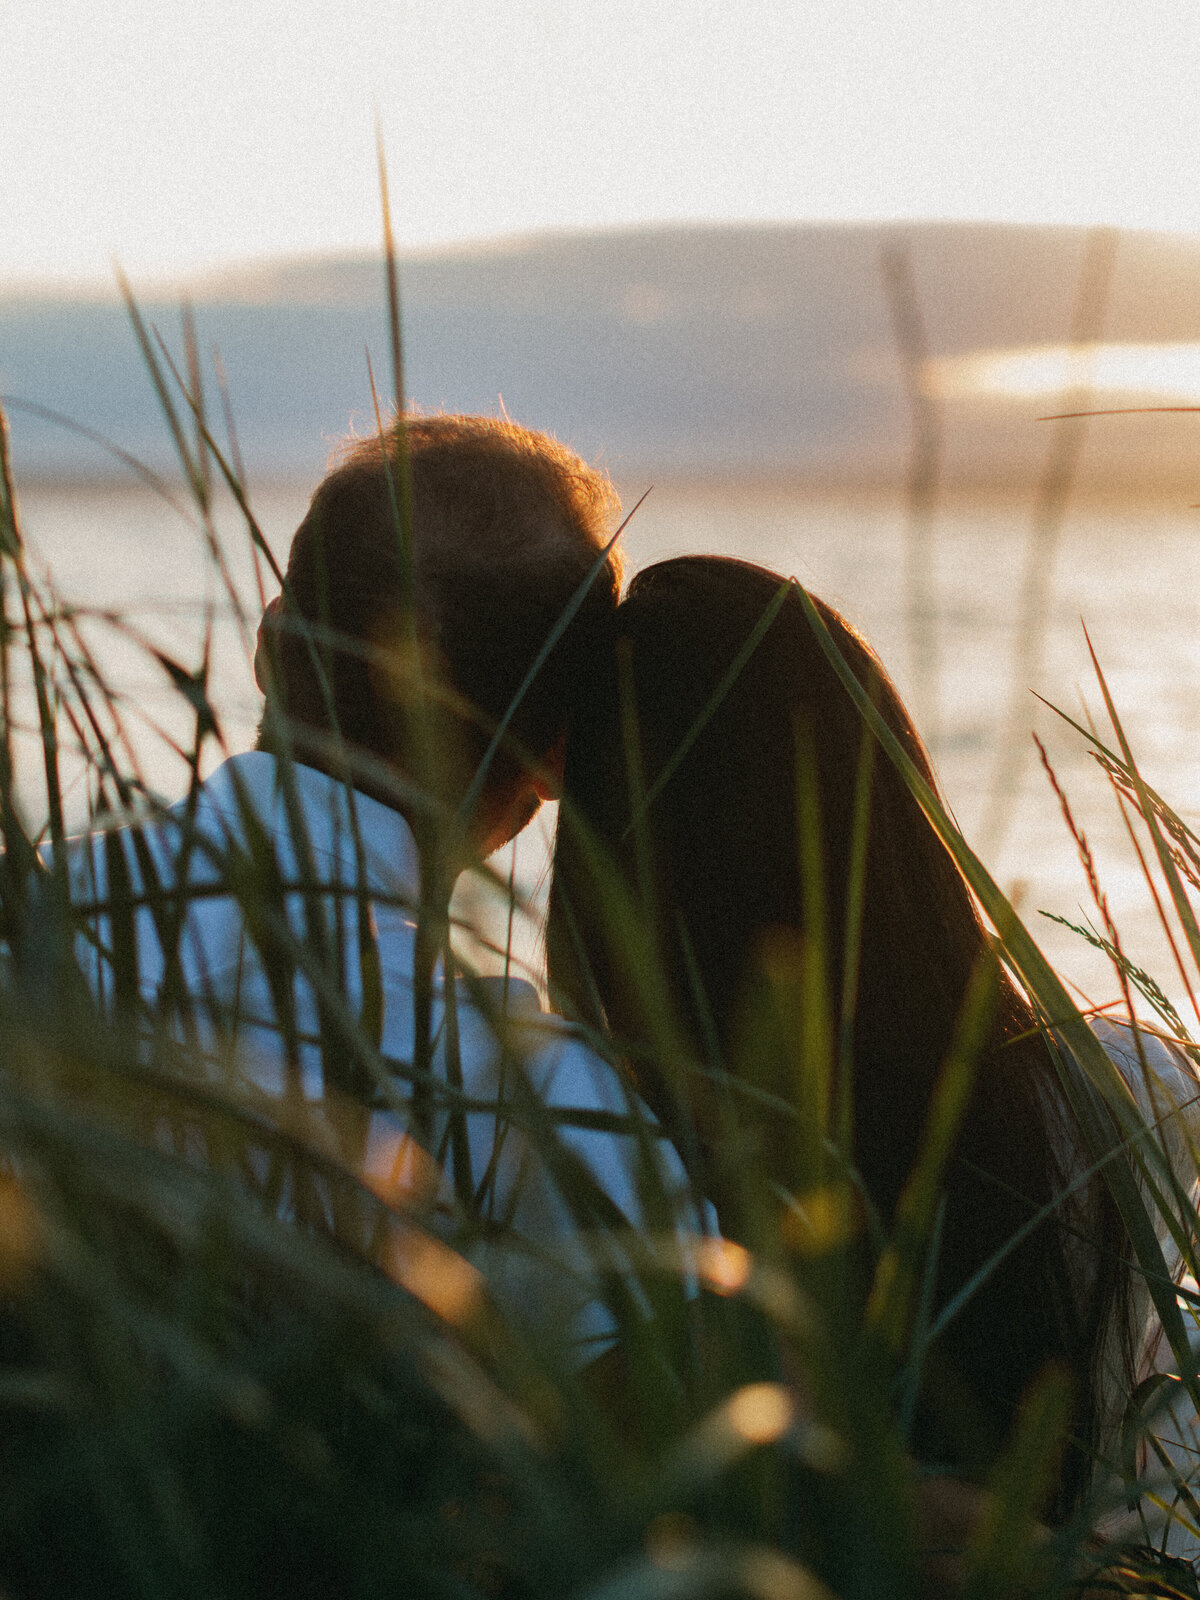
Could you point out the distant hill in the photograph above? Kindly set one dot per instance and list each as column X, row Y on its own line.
column 746, row 351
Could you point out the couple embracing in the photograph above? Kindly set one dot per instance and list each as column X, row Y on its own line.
column 761, row 956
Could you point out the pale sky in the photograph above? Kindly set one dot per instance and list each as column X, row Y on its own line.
column 179, row 136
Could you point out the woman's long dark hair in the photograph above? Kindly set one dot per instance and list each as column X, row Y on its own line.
column 719, row 857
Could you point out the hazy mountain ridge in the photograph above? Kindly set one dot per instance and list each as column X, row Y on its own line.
column 756, row 351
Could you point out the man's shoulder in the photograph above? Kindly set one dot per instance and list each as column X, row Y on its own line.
column 213, row 807
column 304, row 813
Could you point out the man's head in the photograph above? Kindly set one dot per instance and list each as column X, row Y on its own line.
column 507, row 524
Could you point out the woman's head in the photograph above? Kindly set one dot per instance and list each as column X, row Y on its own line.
column 717, row 770
column 761, row 718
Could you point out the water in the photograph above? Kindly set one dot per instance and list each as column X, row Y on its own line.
column 1132, row 575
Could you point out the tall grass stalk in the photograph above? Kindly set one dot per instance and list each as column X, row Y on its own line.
column 1053, row 495
column 921, row 488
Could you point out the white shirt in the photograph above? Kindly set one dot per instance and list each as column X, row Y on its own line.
column 1167, row 1091
column 356, row 860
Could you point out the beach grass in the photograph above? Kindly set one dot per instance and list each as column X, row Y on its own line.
column 234, row 1363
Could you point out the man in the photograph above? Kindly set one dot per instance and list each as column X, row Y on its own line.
column 509, row 530
column 291, row 915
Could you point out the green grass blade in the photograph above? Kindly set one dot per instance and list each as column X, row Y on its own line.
column 1179, row 898
column 893, row 1294
column 1009, row 1547
column 191, row 469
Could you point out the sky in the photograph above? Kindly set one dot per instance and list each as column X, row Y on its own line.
column 179, row 137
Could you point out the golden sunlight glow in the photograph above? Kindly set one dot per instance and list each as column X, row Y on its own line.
column 724, row 1267
column 400, row 1172
column 768, row 1575
column 820, row 1221
column 436, row 1275
column 1163, row 374
column 761, row 1412
column 20, row 1232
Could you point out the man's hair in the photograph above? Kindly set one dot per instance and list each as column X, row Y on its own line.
column 507, row 524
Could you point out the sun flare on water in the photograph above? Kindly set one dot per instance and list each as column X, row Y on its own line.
column 1147, row 374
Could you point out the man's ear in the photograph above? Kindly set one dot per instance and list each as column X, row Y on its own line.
column 547, row 784
column 269, row 624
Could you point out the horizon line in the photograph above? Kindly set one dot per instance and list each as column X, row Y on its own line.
column 204, row 281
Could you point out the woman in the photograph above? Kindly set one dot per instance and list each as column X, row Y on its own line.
column 704, row 765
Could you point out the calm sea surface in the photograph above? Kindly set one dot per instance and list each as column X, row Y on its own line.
column 1133, row 576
